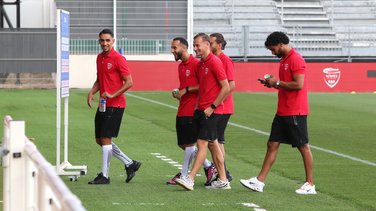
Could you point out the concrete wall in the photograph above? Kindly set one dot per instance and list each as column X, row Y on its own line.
column 82, row 68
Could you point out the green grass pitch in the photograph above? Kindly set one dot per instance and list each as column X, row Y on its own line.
column 341, row 130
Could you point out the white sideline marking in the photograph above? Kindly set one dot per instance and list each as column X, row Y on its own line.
column 141, row 203
column 266, row 133
column 170, row 161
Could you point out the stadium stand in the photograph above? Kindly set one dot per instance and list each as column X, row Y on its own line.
column 231, row 18
column 316, row 27
column 143, row 27
column 355, row 25
column 309, row 27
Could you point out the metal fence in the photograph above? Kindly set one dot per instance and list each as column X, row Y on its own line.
column 125, row 46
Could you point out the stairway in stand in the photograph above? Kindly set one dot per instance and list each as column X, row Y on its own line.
column 309, row 27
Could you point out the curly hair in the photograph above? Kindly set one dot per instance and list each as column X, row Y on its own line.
column 276, row 38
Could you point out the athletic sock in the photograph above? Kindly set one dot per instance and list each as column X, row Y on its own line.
column 106, row 158
column 116, row 151
column 187, row 159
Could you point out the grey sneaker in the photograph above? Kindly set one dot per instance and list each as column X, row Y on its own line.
column 186, row 182
column 253, row 184
column 219, row 184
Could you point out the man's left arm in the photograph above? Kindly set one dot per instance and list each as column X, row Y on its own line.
column 225, row 89
column 128, row 83
column 297, row 82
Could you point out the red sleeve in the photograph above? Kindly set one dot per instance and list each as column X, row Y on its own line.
column 298, row 66
column 123, row 67
column 229, row 67
column 220, row 72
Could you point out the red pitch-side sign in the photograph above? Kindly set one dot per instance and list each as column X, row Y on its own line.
column 322, row 77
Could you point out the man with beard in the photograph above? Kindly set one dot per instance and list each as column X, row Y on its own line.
column 290, row 122
column 213, row 90
column 113, row 80
column 187, row 96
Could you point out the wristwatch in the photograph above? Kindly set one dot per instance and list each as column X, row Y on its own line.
column 277, row 83
column 213, row 106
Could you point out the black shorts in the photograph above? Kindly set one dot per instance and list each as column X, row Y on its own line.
column 207, row 127
column 107, row 124
column 185, row 130
column 290, row 130
column 222, row 124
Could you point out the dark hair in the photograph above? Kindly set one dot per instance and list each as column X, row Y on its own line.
column 276, row 38
column 181, row 40
column 106, row 31
column 203, row 36
column 220, row 39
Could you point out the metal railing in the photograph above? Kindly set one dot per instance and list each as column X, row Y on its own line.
column 125, row 46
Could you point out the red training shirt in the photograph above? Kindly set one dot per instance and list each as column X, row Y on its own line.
column 187, row 77
column 292, row 102
column 111, row 69
column 228, row 65
column 210, row 72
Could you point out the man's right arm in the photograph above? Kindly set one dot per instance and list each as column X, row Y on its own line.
column 90, row 95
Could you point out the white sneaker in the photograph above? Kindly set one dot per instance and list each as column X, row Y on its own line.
column 219, row 184
column 306, row 189
column 186, row 182
column 253, row 184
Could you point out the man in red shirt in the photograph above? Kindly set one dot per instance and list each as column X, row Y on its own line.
column 213, row 90
column 290, row 123
column 187, row 96
column 113, row 79
column 217, row 45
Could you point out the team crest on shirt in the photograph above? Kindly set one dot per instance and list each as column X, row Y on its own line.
column 331, row 76
column 109, row 66
column 285, row 66
column 187, row 73
column 206, row 71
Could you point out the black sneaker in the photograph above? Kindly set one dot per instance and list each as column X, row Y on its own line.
column 100, row 180
column 229, row 176
column 131, row 169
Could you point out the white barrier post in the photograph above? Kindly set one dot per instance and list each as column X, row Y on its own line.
column 29, row 180
column 14, row 193
column 6, row 178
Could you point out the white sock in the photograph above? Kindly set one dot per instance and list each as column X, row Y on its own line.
column 106, row 158
column 116, row 151
column 207, row 163
column 187, row 159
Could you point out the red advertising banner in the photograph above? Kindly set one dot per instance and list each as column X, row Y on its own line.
column 322, row 77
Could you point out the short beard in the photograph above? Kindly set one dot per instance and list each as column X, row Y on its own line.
column 178, row 56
